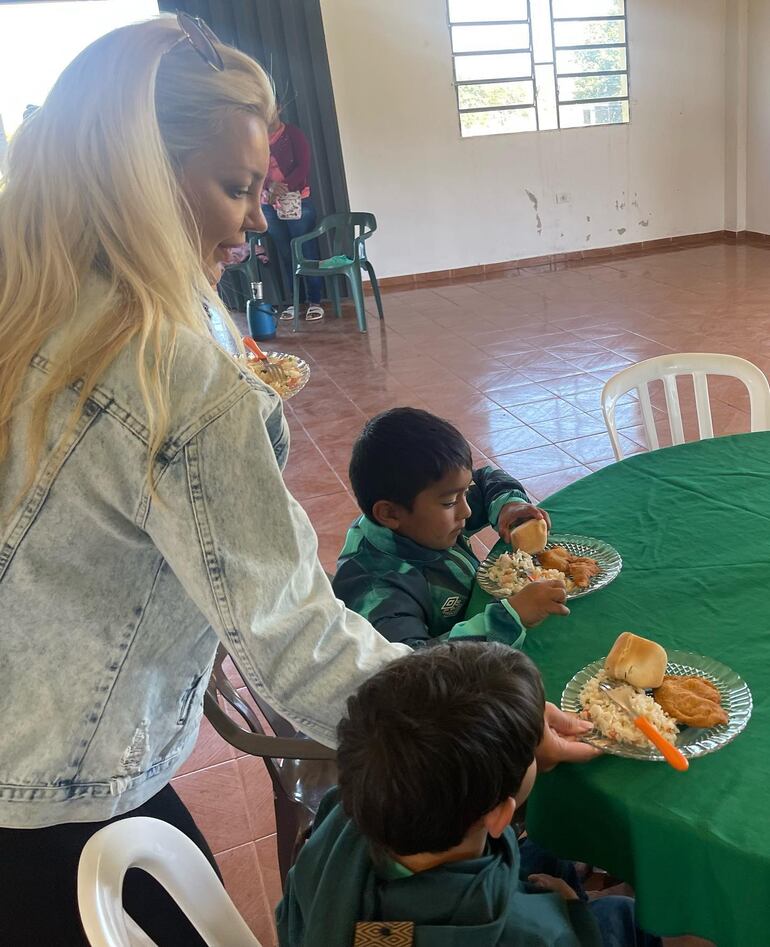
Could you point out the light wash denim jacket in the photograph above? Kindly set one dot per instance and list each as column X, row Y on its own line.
column 112, row 603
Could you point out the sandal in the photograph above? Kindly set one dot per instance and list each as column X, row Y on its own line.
column 288, row 314
column 314, row 313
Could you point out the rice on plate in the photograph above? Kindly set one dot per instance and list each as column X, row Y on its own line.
column 512, row 571
column 614, row 723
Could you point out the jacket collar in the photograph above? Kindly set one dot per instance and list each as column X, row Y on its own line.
column 392, row 544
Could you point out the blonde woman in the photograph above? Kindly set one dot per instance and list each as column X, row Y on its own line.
column 142, row 512
column 143, row 517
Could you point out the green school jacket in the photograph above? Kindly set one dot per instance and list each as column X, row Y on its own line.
column 412, row 594
column 476, row 903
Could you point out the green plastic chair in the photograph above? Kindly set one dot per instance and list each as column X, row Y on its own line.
column 346, row 234
column 240, row 276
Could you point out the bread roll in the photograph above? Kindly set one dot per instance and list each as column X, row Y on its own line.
column 531, row 536
column 636, row 660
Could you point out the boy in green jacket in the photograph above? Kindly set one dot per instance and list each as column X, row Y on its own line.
column 415, row 847
column 407, row 565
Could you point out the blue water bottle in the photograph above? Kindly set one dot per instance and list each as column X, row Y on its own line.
column 261, row 317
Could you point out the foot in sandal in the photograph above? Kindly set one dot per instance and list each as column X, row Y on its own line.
column 288, row 314
column 314, row 313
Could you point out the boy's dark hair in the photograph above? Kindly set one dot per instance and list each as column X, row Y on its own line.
column 401, row 452
column 435, row 741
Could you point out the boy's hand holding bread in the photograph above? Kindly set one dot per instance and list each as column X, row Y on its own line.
column 523, row 519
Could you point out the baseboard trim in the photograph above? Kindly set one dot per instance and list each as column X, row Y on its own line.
column 560, row 261
column 751, row 236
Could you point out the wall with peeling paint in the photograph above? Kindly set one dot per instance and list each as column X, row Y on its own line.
column 758, row 147
column 444, row 202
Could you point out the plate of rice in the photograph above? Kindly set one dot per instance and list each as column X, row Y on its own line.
column 505, row 574
column 296, row 372
column 615, row 733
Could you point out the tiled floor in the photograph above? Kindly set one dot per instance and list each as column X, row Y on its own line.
column 518, row 363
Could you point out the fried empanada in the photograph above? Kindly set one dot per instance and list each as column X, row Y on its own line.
column 555, row 558
column 579, row 568
column 581, row 573
column 691, row 700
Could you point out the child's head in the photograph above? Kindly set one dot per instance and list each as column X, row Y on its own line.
column 436, row 742
column 410, row 471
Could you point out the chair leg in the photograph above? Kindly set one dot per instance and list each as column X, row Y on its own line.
column 335, row 295
column 375, row 288
column 354, row 276
column 295, row 300
column 287, row 824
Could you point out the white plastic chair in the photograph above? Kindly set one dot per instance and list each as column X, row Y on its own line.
column 175, row 862
column 666, row 368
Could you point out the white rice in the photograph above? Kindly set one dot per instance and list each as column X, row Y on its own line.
column 512, row 571
column 612, row 722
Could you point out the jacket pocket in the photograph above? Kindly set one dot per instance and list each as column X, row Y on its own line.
column 187, row 699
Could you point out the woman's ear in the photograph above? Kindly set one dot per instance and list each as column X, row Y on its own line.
column 496, row 821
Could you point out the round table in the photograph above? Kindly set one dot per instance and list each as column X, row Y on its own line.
column 692, row 524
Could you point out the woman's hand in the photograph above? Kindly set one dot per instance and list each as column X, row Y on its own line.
column 278, row 190
column 561, row 741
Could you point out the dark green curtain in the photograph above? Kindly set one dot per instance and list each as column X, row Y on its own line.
column 287, row 37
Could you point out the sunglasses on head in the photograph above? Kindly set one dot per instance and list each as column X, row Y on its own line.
column 202, row 39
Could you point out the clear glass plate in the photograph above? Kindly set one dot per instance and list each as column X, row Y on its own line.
column 692, row 741
column 607, row 558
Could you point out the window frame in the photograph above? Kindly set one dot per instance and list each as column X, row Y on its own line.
column 495, row 52
column 531, row 77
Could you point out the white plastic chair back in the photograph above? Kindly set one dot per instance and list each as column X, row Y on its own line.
column 175, row 862
column 666, row 368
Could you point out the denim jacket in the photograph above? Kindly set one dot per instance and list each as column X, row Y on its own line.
column 112, row 602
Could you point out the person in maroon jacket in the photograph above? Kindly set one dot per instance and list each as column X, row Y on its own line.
column 289, row 174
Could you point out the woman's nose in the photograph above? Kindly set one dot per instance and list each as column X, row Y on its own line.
column 255, row 218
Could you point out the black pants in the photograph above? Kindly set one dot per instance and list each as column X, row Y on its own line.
column 38, row 882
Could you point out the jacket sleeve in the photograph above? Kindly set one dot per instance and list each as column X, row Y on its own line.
column 546, row 919
column 490, row 492
column 498, row 622
column 288, row 917
column 299, row 176
column 584, row 924
column 246, row 553
column 397, row 604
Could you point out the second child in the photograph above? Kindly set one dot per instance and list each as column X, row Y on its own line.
column 435, row 754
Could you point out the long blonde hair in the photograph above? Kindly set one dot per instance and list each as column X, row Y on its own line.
column 92, row 185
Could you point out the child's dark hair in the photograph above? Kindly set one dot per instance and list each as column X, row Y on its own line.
column 401, row 452
column 435, row 741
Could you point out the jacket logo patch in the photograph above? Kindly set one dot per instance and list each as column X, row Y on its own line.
column 452, row 606
column 389, row 933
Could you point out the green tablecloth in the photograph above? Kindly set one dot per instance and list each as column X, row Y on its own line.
column 692, row 524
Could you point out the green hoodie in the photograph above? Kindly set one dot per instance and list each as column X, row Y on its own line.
column 475, row 903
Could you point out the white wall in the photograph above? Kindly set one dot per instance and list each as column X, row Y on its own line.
column 758, row 147
column 445, row 202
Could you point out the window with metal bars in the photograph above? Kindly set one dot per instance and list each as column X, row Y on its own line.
column 536, row 65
